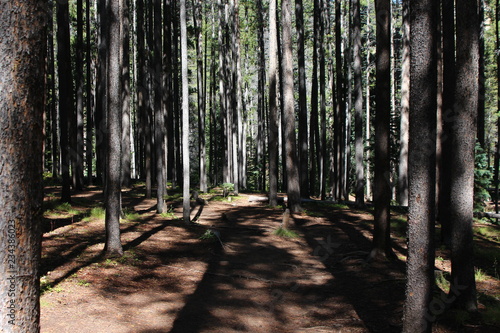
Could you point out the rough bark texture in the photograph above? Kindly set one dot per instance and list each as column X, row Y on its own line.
column 126, row 135
column 382, row 187
column 358, row 104
column 463, row 140
column 448, row 24
column 22, row 50
column 422, row 161
column 65, row 94
column 185, row 115
column 292, row 170
column 405, row 101
column 303, row 133
column 113, row 246
column 273, row 106
column 158, row 109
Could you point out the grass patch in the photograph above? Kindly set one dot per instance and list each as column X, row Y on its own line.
column 131, row 215
column 96, row 213
column 209, row 235
column 172, row 197
column 442, row 281
column 169, row 214
column 47, row 286
column 58, row 209
column 480, row 275
column 490, row 233
column 286, row 233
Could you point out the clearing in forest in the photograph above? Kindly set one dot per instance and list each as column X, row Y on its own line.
column 227, row 272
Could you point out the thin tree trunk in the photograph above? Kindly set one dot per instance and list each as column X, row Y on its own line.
column 422, row 159
column 185, row 115
column 314, row 121
column 125, row 71
column 273, row 105
column 292, row 170
column 405, row 108
column 89, row 106
column 65, row 94
column 158, row 109
column 303, row 132
column 21, row 191
column 79, row 83
column 358, row 104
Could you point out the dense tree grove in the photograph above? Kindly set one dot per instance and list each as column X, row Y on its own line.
column 335, row 100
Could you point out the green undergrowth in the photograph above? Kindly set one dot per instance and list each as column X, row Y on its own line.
column 285, row 233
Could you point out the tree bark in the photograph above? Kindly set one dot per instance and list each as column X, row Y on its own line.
column 382, row 188
column 65, row 94
column 293, row 184
column 22, row 49
column 113, row 246
column 463, row 138
column 405, row 101
column 358, row 104
column 185, row 115
column 273, row 105
column 422, row 159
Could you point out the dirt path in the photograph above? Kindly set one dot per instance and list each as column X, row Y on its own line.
column 245, row 280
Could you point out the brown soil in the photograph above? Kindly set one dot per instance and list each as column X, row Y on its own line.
column 245, row 280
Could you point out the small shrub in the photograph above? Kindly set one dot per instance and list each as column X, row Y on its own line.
column 286, row 233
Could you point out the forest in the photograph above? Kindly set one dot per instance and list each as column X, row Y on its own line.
column 249, row 165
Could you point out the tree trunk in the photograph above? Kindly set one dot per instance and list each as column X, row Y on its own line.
column 422, row 159
column 303, row 135
column 314, row 121
column 405, row 101
column 80, row 83
column 158, row 109
column 292, row 170
column 273, row 105
column 448, row 26
column 382, row 188
column 463, row 140
column 65, row 94
column 22, row 48
column 113, row 246
column 358, row 104
column 185, row 115
column 90, row 112
column 125, row 71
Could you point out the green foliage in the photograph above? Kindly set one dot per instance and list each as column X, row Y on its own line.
column 209, row 235
column 227, row 188
column 482, row 179
column 285, row 233
column 97, row 213
column 169, row 214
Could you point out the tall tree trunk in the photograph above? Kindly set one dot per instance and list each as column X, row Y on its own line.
column 303, row 132
column 382, row 188
column 322, row 103
column 201, row 95
column 448, row 26
column 22, row 48
column 405, row 101
column 314, row 121
column 292, row 170
column 481, row 79
column 463, row 140
column 158, row 109
column 113, row 246
column 497, row 150
column 422, row 159
column 358, row 103
column 89, row 106
column 125, row 71
column 65, row 94
column 79, row 85
column 185, row 114
column 273, row 105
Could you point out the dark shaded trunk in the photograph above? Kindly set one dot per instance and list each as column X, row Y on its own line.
column 185, row 115
column 66, row 107
column 382, row 187
column 463, row 139
column 358, row 103
column 303, row 131
column 422, row 161
column 273, row 105
column 125, row 72
column 79, row 85
column 23, row 48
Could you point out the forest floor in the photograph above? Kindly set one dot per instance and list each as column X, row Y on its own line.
column 230, row 272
